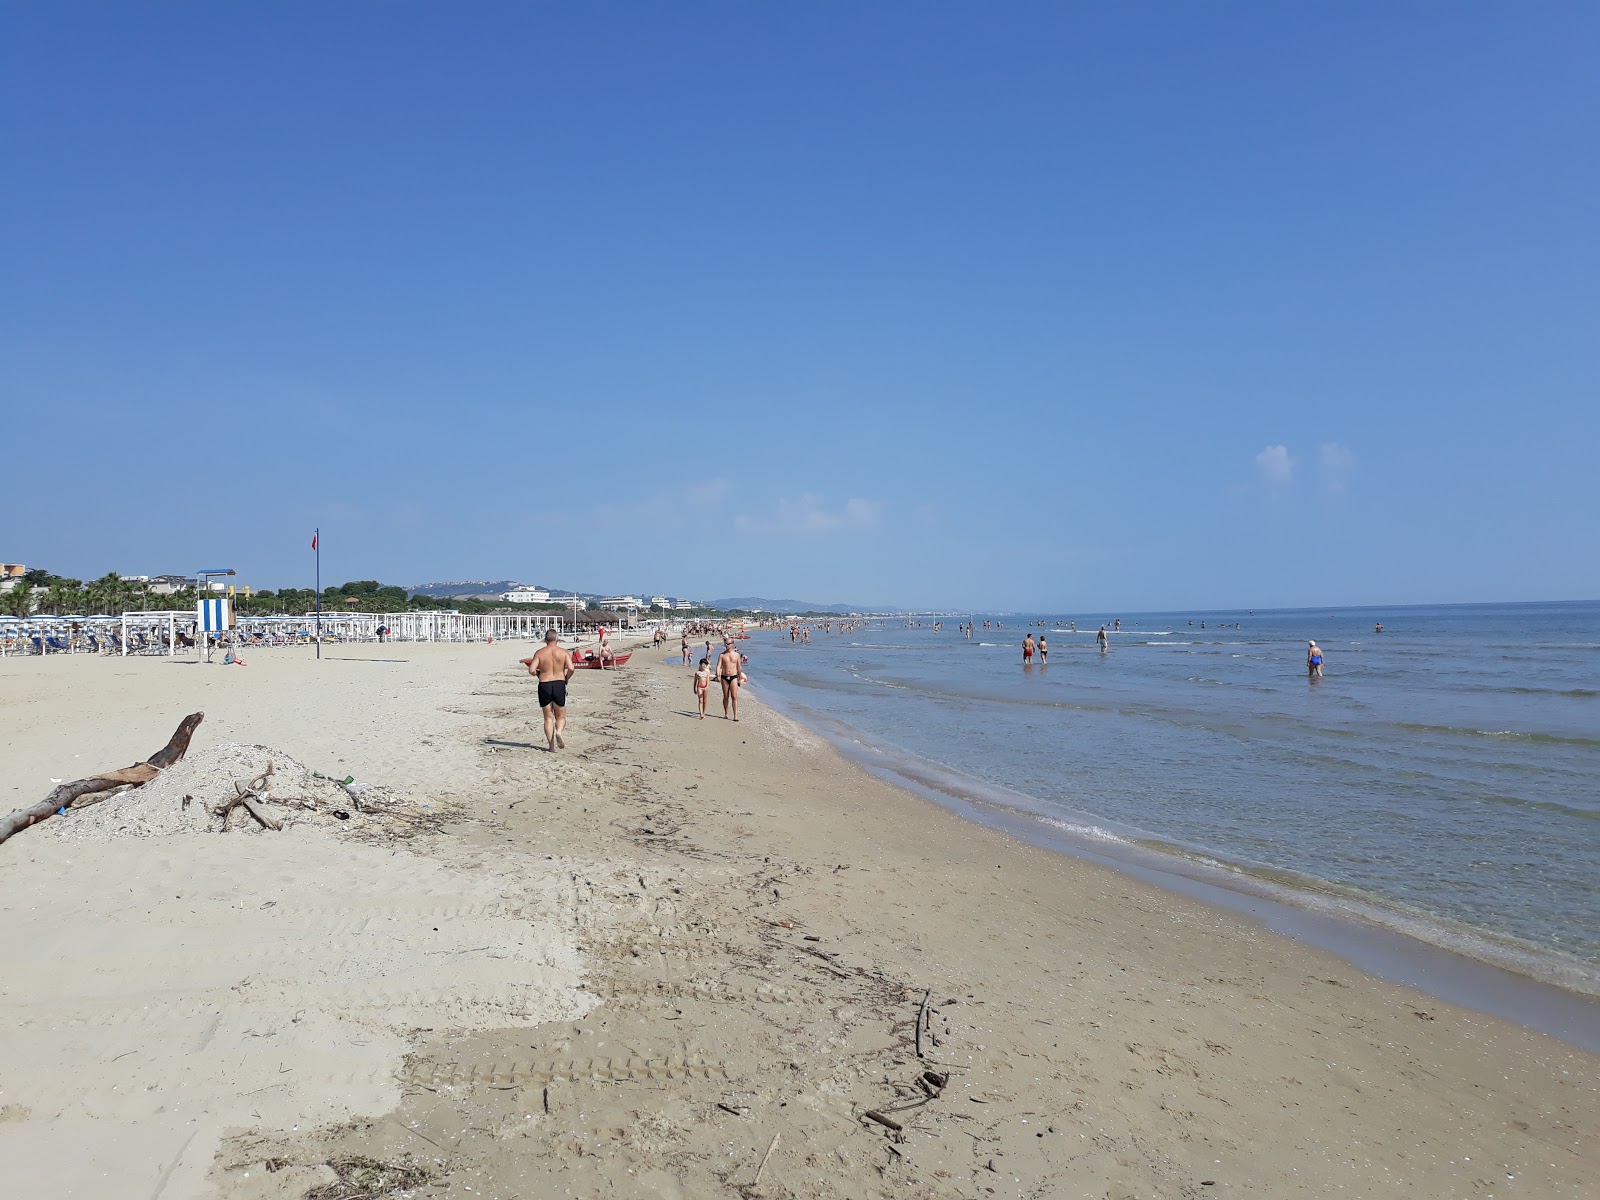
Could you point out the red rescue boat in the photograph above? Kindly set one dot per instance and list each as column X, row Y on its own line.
column 593, row 663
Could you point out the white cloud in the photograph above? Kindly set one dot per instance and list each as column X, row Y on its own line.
column 711, row 491
column 808, row 516
column 1276, row 464
column 1337, row 463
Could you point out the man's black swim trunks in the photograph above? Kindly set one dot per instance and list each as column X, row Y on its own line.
column 554, row 692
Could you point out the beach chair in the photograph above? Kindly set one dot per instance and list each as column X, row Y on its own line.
column 58, row 645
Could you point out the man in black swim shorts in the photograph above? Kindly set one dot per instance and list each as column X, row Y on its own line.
column 553, row 667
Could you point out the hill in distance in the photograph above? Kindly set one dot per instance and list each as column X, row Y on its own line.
column 788, row 606
column 480, row 589
column 491, row 589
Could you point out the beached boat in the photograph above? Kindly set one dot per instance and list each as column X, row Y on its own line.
column 593, row 662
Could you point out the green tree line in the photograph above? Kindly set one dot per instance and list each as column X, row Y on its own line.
column 113, row 595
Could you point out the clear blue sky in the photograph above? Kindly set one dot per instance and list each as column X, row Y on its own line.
column 1057, row 306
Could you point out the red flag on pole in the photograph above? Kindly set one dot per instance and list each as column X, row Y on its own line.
column 313, row 541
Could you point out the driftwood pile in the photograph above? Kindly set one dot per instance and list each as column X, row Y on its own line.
column 73, row 795
column 227, row 787
column 251, row 795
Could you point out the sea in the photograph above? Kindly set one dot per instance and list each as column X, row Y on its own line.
column 1440, row 780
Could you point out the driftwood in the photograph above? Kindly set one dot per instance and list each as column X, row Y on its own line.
column 886, row 1122
column 249, row 795
column 922, row 1020
column 250, row 806
column 771, row 1146
column 140, row 773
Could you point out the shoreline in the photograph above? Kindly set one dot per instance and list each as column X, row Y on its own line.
column 1529, row 986
column 680, row 950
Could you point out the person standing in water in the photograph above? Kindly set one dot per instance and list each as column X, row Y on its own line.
column 1027, row 650
column 1105, row 642
column 1314, row 660
column 1044, row 651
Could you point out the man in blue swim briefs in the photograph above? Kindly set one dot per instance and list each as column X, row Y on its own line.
column 552, row 666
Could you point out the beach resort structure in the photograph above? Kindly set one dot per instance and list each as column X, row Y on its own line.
column 526, row 593
column 172, row 631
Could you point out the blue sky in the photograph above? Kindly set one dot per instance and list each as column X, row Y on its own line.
column 1053, row 306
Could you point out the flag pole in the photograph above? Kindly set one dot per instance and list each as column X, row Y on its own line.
column 316, row 544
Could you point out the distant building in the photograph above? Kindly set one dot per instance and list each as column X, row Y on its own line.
column 10, row 575
column 682, row 604
column 619, row 603
column 526, row 594
column 165, row 585
column 660, row 602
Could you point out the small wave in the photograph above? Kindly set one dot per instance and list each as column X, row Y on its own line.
column 1096, row 833
column 1569, row 693
column 1550, row 806
column 1510, row 735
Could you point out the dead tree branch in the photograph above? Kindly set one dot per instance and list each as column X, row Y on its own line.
column 140, row 773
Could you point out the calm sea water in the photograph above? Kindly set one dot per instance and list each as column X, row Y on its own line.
column 1443, row 776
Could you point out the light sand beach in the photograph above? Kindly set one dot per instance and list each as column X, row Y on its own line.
column 678, row 959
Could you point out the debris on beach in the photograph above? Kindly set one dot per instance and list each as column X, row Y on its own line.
column 214, row 789
column 82, row 793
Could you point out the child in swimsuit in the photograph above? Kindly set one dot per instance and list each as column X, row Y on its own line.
column 702, row 684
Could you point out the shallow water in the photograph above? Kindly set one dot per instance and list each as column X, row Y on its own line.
column 1444, row 774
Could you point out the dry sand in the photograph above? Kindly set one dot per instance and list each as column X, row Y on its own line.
column 675, row 958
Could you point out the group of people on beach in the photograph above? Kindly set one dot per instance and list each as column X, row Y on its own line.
column 553, row 667
column 729, row 673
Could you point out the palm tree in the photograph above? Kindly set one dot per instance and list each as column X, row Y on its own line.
column 58, row 597
column 107, row 592
column 19, row 600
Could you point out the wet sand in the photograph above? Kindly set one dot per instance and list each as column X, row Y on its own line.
column 681, row 958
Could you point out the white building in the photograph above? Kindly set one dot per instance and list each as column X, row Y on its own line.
column 682, row 604
column 660, row 602
column 165, row 585
column 618, row 603
column 526, row 593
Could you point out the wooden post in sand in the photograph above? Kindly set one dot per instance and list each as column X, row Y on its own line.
column 140, row 773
